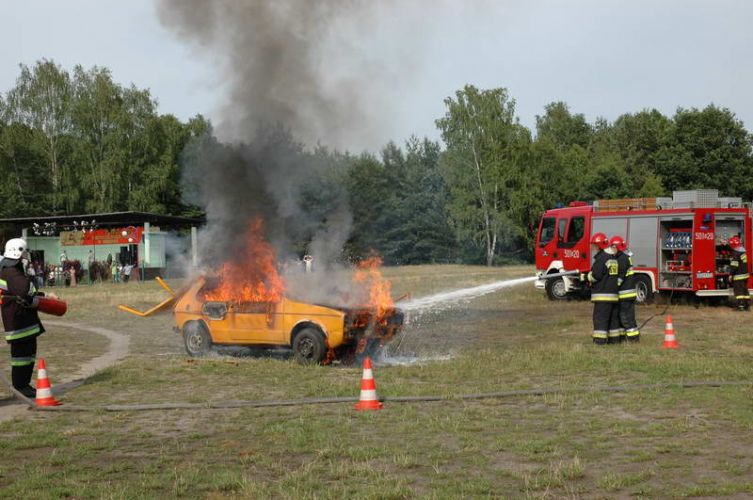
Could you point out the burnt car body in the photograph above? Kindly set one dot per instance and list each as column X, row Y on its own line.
column 315, row 333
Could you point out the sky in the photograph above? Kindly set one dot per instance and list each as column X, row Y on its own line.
column 603, row 58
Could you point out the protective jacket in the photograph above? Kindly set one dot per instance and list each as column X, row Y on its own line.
column 739, row 274
column 604, row 278
column 20, row 317
column 626, row 277
column 739, row 264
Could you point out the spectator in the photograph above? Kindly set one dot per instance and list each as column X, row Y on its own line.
column 115, row 271
column 39, row 272
column 127, row 272
column 92, row 267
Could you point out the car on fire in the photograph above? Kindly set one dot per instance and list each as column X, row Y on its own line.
column 316, row 333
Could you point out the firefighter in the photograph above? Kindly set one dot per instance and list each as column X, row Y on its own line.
column 20, row 319
column 627, row 293
column 739, row 273
column 604, row 288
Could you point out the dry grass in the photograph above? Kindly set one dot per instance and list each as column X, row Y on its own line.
column 651, row 443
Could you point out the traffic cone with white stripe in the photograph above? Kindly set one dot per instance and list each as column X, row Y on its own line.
column 670, row 341
column 368, row 399
column 44, row 389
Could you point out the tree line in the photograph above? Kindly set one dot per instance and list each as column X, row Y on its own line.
column 79, row 142
column 75, row 142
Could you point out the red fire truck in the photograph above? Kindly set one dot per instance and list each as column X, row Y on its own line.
column 678, row 243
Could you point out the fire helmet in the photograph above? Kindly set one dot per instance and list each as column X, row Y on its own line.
column 600, row 240
column 15, row 248
column 619, row 242
column 733, row 242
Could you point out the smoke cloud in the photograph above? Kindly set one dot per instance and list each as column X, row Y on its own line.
column 302, row 63
column 289, row 70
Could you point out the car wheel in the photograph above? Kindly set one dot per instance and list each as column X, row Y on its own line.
column 197, row 340
column 556, row 289
column 308, row 346
column 644, row 294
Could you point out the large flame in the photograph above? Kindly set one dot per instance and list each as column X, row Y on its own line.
column 251, row 276
column 369, row 274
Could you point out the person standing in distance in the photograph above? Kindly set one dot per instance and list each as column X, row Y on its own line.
column 603, row 279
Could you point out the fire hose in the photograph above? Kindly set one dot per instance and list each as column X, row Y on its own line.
column 394, row 399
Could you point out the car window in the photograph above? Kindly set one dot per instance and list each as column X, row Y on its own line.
column 577, row 228
column 547, row 230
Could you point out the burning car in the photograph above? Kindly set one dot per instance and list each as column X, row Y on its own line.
column 316, row 333
column 245, row 304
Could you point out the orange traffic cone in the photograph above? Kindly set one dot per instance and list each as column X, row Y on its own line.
column 44, row 389
column 368, row 399
column 670, row 341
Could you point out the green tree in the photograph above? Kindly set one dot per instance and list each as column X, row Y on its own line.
column 41, row 100
column 711, row 149
column 485, row 145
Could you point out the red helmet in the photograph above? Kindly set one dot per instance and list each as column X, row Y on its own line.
column 617, row 241
column 734, row 242
column 600, row 240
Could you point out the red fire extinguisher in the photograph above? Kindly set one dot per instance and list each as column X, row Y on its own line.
column 47, row 305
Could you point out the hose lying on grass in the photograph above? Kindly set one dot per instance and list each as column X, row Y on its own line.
column 394, row 399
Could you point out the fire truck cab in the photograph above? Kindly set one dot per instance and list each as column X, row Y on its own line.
column 678, row 243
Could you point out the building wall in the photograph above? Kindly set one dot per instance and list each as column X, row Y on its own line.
column 52, row 249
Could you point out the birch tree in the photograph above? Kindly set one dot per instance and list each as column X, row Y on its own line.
column 483, row 139
column 41, row 100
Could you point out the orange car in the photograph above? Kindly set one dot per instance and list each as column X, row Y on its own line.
column 316, row 333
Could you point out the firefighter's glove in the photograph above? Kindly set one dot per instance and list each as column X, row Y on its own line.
column 591, row 278
column 619, row 281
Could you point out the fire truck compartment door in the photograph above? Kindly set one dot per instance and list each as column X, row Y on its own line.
column 611, row 226
column 255, row 323
column 642, row 240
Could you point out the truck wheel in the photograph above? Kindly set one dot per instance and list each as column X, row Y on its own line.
column 197, row 340
column 308, row 346
column 643, row 290
column 555, row 289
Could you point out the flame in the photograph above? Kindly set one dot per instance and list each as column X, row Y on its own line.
column 368, row 273
column 254, row 276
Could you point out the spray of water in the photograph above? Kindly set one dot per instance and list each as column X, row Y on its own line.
column 463, row 294
column 421, row 310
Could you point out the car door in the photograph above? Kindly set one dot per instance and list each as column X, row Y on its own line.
column 256, row 323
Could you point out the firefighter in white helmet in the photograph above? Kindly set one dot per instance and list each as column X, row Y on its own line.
column 19, row 312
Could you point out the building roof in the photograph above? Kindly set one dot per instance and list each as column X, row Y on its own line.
column 107, row 219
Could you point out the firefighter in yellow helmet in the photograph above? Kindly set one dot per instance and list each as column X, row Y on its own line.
column 603, row 278
column 739, row 273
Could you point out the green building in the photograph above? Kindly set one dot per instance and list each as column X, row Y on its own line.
column 152, row 244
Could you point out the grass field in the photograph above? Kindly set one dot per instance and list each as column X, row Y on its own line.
column 651, row 443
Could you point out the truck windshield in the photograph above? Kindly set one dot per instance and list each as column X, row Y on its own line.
column 547, row 230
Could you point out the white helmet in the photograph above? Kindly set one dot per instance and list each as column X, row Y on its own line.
column 15, row 248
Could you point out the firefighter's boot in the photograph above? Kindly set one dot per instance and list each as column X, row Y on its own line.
column 28, row 391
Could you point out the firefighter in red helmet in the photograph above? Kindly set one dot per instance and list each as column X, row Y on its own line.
column 627, row 293
column 604, row 287
column 739, row 273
